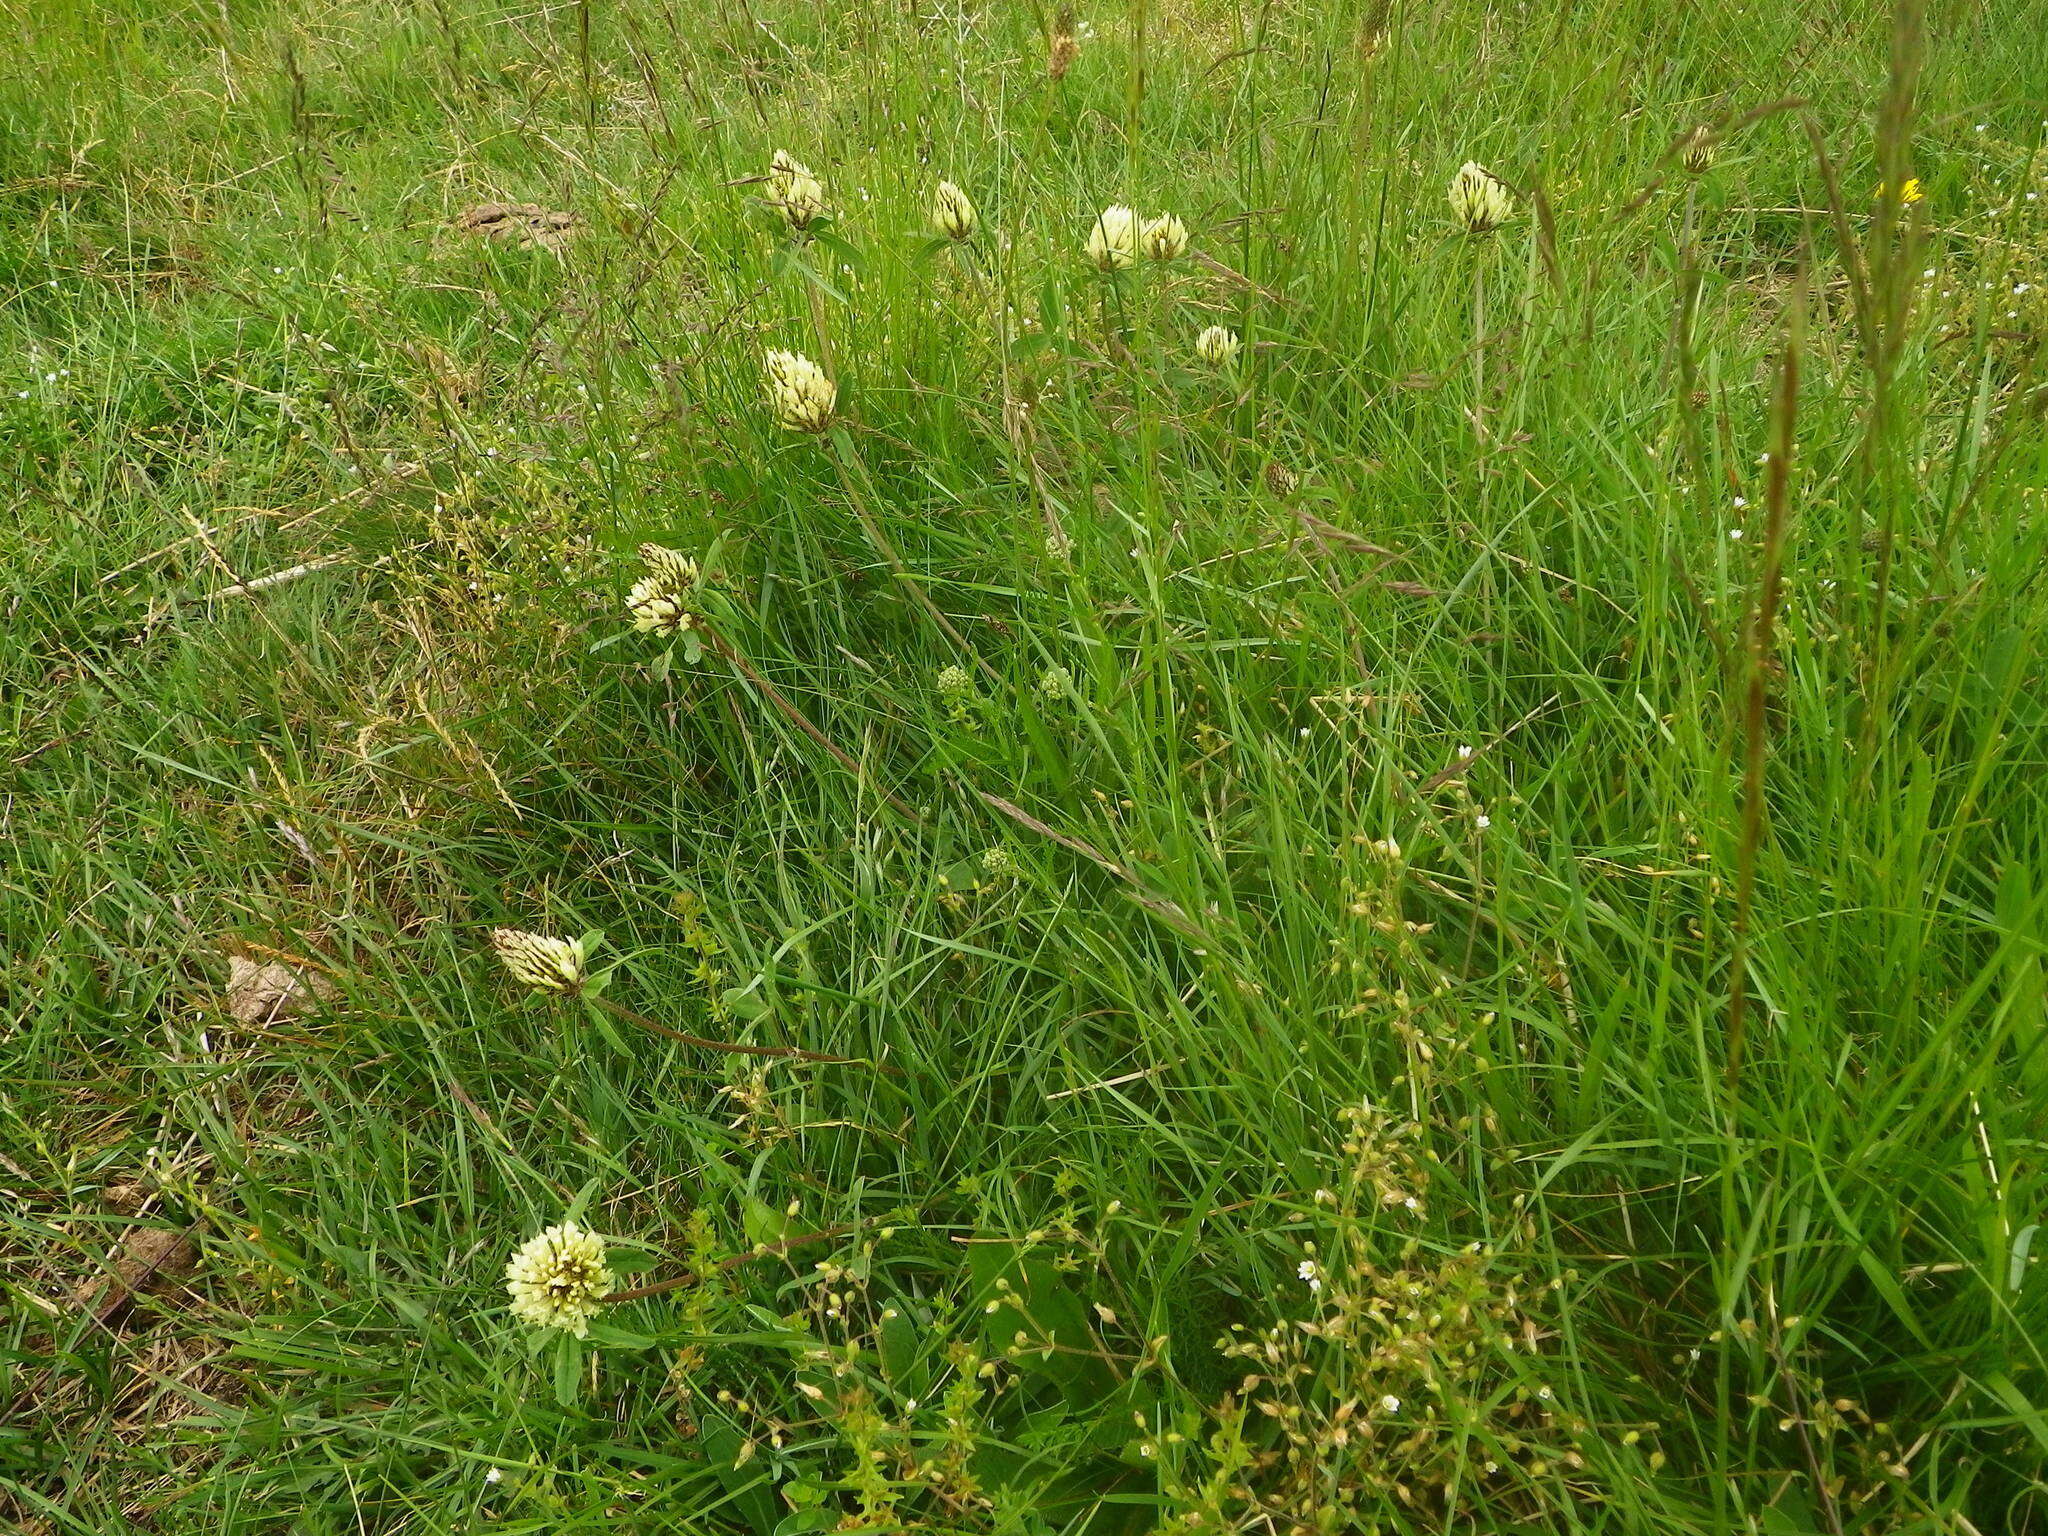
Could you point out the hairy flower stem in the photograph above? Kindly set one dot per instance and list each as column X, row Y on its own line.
column 1756, row 722
column 1479, row 350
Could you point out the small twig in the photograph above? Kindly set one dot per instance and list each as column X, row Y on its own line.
column 278, row 578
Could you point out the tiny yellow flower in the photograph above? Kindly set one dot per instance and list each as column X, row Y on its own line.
column 1909, row 192
column 1113, row 242
column 1218, row 346
column 537, row 961
column 1164, row 238
column 799, row 393
column 953, row 213
column 793, row 189
column 1480, row 199
column 559, row 1279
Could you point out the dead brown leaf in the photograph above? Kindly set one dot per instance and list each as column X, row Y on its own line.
column 268, row 992
column 150, row 1257
column 524, row 224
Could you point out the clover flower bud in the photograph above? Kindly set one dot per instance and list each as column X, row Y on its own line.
column 537, row 961
column 1480, row 199
column 799, row 393
column 1218, row 346
column 1113, row 241
column 953, row 214
column 1164, row 238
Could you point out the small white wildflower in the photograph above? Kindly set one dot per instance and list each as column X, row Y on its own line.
column 657, row 608
column 537, row 961
column 1218, row 346
column 494, row 1475
column 1482, row 821
column 1312, row 1272
column 559, row 1279
column 1390, row 1404
column 953, row 215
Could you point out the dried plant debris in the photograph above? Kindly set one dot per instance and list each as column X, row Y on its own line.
column 151, row 1258
column 525, row 225
column 268, row 992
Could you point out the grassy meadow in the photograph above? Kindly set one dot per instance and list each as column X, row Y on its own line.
column 1427, row 916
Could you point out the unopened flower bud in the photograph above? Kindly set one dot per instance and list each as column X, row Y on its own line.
column 1164, row 238
column 537, row 961
column 1480, row 199
column 1113, row 242
column 1701, row 148
column 953, row 213
column 799, row 393
column 1218, row 346
column 793, row 189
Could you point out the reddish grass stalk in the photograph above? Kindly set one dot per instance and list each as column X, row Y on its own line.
column 1761, row 639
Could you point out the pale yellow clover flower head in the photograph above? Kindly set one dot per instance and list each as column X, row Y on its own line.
column 660, row 601
column 1113, row 241
column 537, row 961
column 1218, row 346
column 559, row 1279
column 1164, row 238
column 953, row 214
column 1480, row 199
column 793, row 189
column 657, row 608
column 798, row 392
